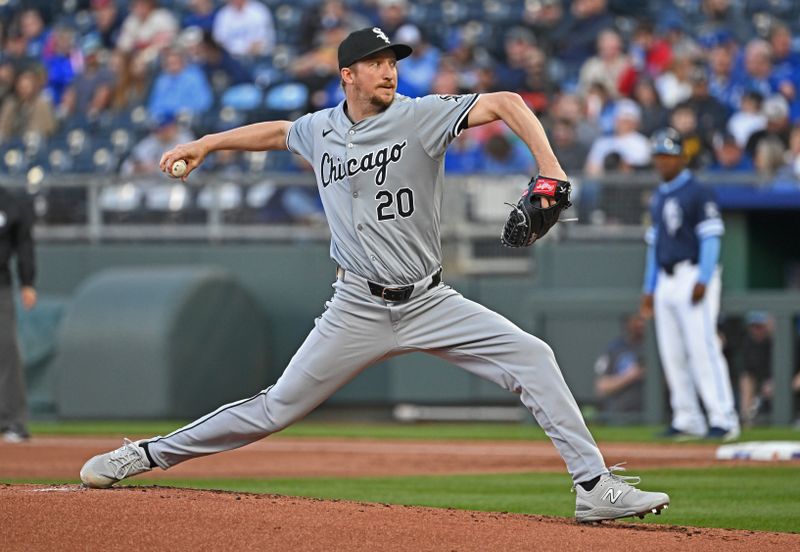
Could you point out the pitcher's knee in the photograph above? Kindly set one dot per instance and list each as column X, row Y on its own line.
column 535, row 348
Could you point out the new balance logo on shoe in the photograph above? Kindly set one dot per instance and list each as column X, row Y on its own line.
column 617, row 497
column 610, row 495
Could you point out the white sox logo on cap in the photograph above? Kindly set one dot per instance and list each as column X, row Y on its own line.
column 365, row 42
column 381, row 34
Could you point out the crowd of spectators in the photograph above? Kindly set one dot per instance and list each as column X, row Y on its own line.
column 601, row 74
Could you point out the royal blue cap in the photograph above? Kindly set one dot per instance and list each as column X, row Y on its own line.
column 667, row 141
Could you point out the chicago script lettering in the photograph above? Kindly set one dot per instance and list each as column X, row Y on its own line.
column 333, row 170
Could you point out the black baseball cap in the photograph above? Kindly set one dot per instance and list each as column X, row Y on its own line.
column 365, row 42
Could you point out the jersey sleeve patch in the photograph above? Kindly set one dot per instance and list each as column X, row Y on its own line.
column 710, row 227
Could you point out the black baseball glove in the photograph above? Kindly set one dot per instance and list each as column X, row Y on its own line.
column 528, row 221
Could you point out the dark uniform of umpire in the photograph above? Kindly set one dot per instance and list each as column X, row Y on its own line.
column 16, row 223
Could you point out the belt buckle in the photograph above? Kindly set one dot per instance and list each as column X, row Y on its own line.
column 401, row 294
column 390, row 290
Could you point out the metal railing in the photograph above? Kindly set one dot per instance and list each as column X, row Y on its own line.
column 285, row 207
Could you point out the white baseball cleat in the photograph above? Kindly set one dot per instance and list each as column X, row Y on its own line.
column 103, row 470
column 614, row 496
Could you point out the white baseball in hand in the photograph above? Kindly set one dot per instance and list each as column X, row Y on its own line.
column 178, row 168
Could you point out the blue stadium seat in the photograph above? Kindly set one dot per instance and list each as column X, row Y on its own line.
column 227, row 118
column 288, row 96
column 122, row 141
column 12, row 158
column 59, row 159
column 242, row 97
column 78, row 141
column 83, row 161
column 104, row 159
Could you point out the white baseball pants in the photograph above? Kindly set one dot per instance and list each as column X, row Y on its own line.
column 691, row 353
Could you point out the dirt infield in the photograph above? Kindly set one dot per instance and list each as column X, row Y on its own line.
column 68, row 517
column 151, row 518
column 62, row 457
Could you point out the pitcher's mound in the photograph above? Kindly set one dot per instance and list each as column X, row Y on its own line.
column 68, row 517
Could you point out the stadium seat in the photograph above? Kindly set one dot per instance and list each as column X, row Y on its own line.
column 59, row 160
column 287, row 16
column 78, row 141
column 13, row 160
column 227, row 118
column 288, row 96
column 167, row 198
column 265, row 74
column 83, row 161
column 229, row 196
column 121, row 141
column 122, row 198
column 104, row 160
column 282, row 161
column 242, row 97
column 259, row 194
column 33, row 143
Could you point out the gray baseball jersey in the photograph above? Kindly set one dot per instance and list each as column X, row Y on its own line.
column 381, row 184
column 380, row 181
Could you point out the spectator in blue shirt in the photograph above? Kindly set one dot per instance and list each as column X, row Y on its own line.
column 419, row 69
column 34, row 31
column 721, row 79
column 504, row 155
column 758, row 74
column 201, row 14
column 61, row 60
column 584, row 23
column 107, row 22
column 180, row 87
column 221, row 68
column 517, row 45
column 729, row 156
column 464, row 156
column 786, row 63
column 785, row 59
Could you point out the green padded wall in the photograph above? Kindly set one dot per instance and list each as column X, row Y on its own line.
column 164, row 342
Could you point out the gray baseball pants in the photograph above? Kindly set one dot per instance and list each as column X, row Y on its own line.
column 359, row 329
column 13, row 407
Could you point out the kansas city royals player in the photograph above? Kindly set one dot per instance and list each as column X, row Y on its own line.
column 682, row 285
column 378, row 161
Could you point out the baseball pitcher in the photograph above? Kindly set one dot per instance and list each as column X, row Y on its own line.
column 378, row 161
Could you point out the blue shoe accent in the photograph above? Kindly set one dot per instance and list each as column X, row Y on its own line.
column 677, row 435
column 716, row 432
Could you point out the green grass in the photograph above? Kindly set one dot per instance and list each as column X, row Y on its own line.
column 476, row 431
column 754, row 498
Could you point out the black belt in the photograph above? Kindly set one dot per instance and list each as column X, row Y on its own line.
column 670, row 268
column 402, row 293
